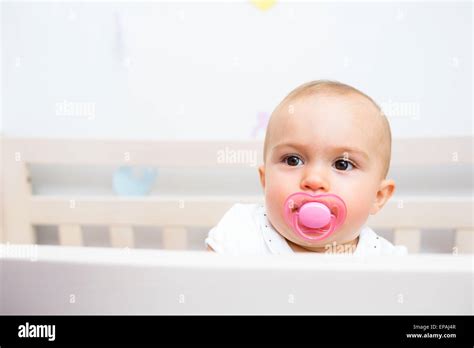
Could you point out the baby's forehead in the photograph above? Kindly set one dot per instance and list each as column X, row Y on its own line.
column 330, row 124
column 348, row 104
column 348, row 117
column 331, row 115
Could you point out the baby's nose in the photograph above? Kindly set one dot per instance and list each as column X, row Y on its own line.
column 315, row 183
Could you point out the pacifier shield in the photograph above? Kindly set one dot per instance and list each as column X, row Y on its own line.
column 314, row 217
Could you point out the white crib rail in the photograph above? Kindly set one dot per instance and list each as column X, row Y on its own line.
column 52, row 280
column 22, row 210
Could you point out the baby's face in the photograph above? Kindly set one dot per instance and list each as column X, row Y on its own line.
column 328, row 144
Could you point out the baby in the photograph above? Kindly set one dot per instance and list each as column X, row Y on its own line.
column 326, row 156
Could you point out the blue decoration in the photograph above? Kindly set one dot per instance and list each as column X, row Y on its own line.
column 134, row 181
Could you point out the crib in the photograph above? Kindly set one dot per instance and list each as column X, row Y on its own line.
column 406, row 215
column 177, row 280
column 51, row 280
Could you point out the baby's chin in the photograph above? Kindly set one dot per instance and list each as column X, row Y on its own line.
column 288, row 234
column 336, row 238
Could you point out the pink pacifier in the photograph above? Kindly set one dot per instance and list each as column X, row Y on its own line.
column 316, row 217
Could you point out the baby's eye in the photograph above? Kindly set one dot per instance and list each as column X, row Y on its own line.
column 292, row 160
column 343, row 165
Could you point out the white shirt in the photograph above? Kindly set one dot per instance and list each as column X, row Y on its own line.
column 245, row 229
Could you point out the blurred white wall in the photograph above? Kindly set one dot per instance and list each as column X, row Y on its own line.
column 213, row 70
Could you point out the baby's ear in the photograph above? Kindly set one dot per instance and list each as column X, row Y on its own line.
column 261, row 172
column 386, row 190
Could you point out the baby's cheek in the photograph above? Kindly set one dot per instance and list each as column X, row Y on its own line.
column 357, row 211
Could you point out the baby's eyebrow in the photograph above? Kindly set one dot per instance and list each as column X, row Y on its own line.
column 351, row 150
column 337, row 149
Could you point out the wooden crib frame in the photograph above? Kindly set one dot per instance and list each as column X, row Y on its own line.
column 22, row 210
